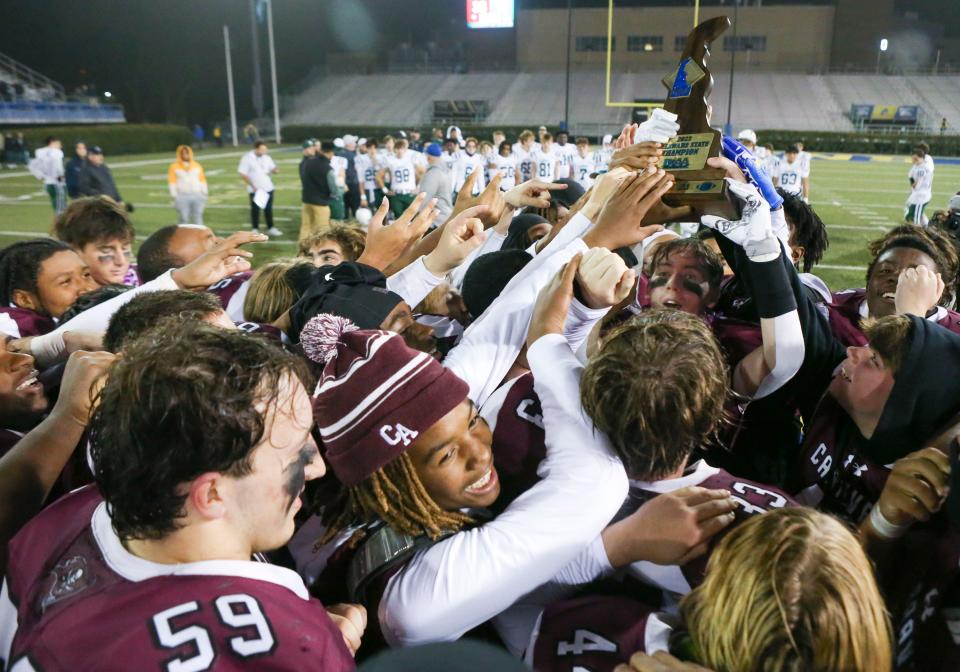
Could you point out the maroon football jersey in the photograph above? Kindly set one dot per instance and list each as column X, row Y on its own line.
column 737, row 338
column 266, row 330
column 845, row 317
column 21, row 322
column 231, row 291
column 924, row 597
column 752, row 499
column 835, row 474
column 596, row 633
column 519, row 443
column 83, row 602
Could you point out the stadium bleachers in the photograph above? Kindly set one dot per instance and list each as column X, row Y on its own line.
column 760, row 100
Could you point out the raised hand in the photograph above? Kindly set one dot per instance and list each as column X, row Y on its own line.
column 604, row 279
column 222, row 260
column 637, row 157
column 491, row 198
column 670, row 529
column 387, row 243
column 620, row 223
column 753, row 231
column 532, row 193
column 460, row 237
column 918, row 291
column 553, row 303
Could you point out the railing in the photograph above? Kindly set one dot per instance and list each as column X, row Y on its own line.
column 30, row 76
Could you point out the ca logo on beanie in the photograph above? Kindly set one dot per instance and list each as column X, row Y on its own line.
column 395, row 434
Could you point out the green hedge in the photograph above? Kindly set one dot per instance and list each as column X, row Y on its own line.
column 115, row 139
column 817, row 141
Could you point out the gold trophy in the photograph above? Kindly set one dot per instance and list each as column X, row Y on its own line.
column 685, row 156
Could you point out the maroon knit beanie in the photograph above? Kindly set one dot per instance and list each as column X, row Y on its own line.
column 376, row 395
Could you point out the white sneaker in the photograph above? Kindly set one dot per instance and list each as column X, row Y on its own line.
column 274, row 231
column 253, row 230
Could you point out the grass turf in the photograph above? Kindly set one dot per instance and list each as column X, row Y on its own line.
column 857, row 200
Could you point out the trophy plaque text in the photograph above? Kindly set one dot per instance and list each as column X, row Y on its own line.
column 685, row 156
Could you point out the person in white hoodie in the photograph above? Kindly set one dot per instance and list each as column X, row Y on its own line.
column 47, row 166
column 188, row 187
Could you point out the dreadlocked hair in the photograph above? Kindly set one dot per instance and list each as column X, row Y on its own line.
column 932, row 242
column 20, row 265
column 809, row 231
column 395, row 495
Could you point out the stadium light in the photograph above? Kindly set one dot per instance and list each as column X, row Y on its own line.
column 107, row 94
column 883, row 47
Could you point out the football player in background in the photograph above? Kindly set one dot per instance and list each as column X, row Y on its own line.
column 921, row 188
column 504, row 163
column 403, row 178
column 791, row 176
column 566, row 153
column 583, row 166
column 545, row 162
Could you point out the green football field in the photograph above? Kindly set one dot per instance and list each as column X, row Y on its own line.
column 857, row 200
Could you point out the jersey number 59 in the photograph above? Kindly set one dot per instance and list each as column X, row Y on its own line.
column 234, row 611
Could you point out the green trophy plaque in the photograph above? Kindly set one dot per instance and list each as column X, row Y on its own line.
column 685, row 157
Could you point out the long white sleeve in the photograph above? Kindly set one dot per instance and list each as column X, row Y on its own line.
column 474, row 575
column 491, row 344
column 49, row 348
column 413, row 282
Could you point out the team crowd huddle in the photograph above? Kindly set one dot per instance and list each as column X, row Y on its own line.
column 503, row 393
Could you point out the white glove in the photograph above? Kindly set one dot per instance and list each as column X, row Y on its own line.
column 660, row 127
column 753, row 231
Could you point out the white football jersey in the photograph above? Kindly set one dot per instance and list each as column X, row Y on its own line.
column 566, row 153
column 922, row 190
column 601, row 159
column 450, row 160
column 467, row 165
column 339, row 165
column 804, row 159
column 583, row 168
column 419, row 159
column 524, row 167
column 545, row 164
column 403, row 174
column 366, row 171
column 790, row 175
column 506, row 166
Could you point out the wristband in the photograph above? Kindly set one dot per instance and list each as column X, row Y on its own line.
column 772, row 291
column 884, row 527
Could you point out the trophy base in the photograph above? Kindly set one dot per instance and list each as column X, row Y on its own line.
column 703, row 190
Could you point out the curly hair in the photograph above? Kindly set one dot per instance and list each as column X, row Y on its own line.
column 350, row 239
column 657, row 389
column 809, row 231
column 932, row 242
column 182, row 402
column 93, row 220
column 790, row 590
column 20, row 265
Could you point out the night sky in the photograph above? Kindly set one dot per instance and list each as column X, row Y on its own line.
column 164, row 60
